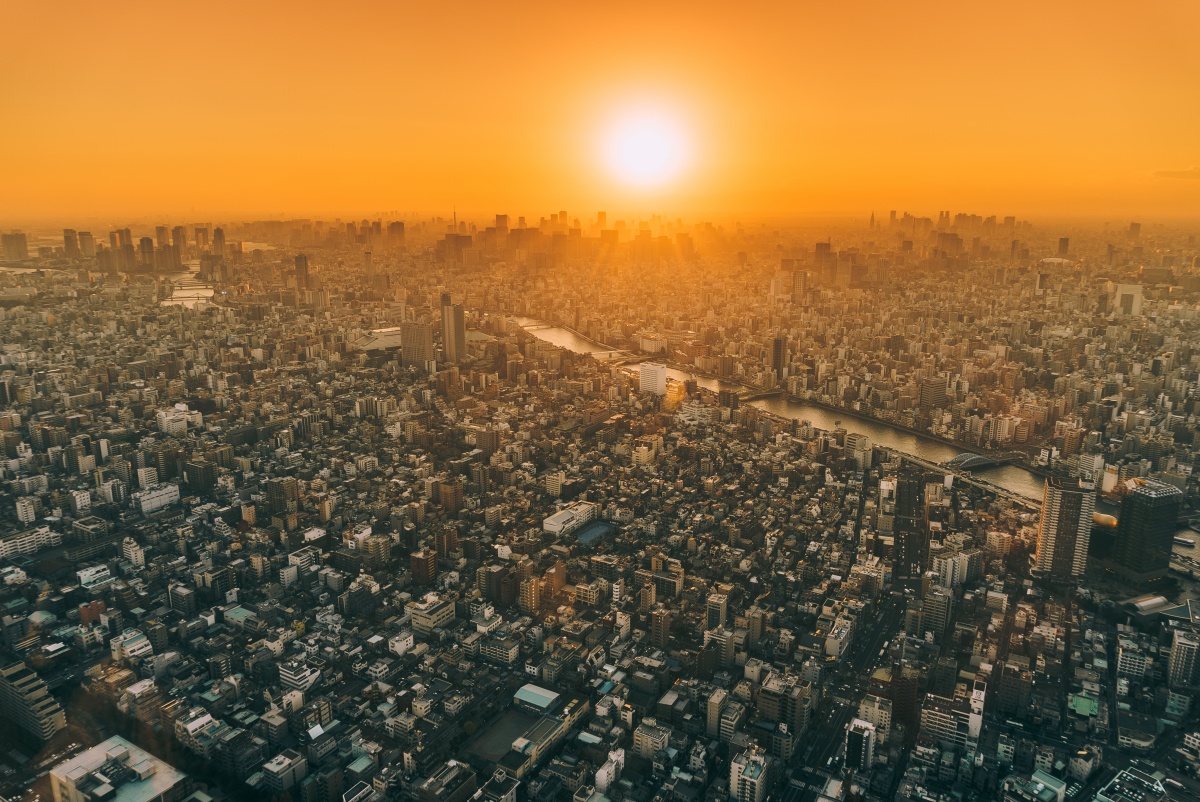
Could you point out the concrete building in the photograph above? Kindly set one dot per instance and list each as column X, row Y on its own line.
column 116, row 770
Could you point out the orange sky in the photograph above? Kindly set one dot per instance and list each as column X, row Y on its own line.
column 306, row 108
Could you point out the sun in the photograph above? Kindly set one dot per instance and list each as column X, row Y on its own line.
column 646, row 149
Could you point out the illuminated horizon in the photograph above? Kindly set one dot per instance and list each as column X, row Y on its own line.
column 1075, row 112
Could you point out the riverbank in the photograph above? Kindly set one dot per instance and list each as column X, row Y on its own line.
column 906, row 441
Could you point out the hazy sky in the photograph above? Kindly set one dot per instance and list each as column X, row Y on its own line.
column 270, row 108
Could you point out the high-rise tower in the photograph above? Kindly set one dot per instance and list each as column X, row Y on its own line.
column 1146, row 530
column 1065, row 530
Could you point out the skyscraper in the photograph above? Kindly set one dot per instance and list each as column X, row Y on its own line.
column 301, row 272
column 1146, row 530
column 71, row 243
column 416, row 344
column 1065, row 530
column 16, row 246
column 933, row 393
column 454, row 331
column 779, row 357
column 218, row 243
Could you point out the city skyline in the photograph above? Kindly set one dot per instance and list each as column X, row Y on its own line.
column 625, row 402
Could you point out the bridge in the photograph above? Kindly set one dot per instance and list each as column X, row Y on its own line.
column 764, row 394
column 969, row 461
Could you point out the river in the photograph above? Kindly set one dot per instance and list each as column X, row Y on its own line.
column 1010, row 477
column 188, row 290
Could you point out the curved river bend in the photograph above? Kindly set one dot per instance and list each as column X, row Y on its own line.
column 1010, row 477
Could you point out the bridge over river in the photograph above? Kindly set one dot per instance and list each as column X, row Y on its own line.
column 969, row 461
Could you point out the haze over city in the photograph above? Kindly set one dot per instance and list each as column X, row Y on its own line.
column 533, row 402
column 313, row 108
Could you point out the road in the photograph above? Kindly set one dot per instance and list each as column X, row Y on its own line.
column 845, row 687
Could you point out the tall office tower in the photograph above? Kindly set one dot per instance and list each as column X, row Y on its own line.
column 779, row 357
column 201, row 238
column 718, row 610
column 218, row 246
column 454, row 331
column 416, row 344
column 1183, row 667
column 87, row 244
column 860, row 745
column 301, row 272
column 799, row 286
column 146, row 252
column 16, row 246
column 1146, row 531
column 1064, row 246
column 71, row 243
column 652, row 377
column 1135, row 231
column 933, row 393
column 395, row 233
column 1065, row 530
column 660, row 627
column 750, row 776
column 911, row 546
column 179, row 239
column 26, row 701
column 501, row 224
column 162, row 236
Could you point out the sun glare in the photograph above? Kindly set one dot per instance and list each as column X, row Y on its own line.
column 646, row 149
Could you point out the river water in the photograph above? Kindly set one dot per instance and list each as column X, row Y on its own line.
column 188, row 290
column 1010, row 477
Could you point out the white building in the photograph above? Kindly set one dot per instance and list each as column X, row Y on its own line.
column 96, row 577
column 27, row 509
column 610, row 772
column 132, row 552
column 750, row 776
column 156, row 497
column 145, row 778
column 175, row 421
column 31, row 541
column 653, row 378
column 570, row 518
column 131, row 644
